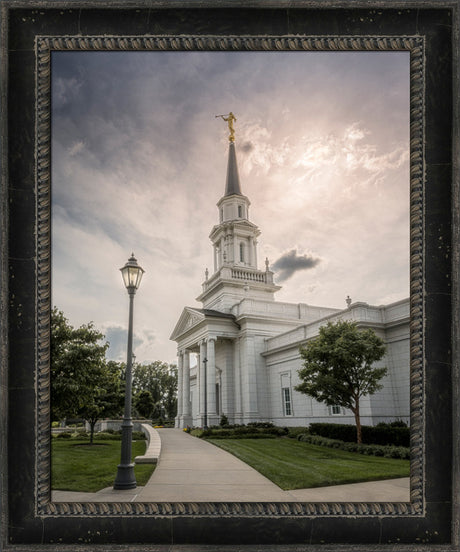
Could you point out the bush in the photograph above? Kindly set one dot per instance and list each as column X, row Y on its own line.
column 294, row 432
column 396, row 433
column 262, row 425
column 370, row 450
column 262, row 429
column 223, row 421
column 64, row 435
column 245, row 436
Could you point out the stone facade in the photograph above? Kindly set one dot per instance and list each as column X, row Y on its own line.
column 238, row 355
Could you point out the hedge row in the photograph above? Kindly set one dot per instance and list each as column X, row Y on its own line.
column 382, row 434
column 371, row 450
column 243, row 431
column 101, row 436
column 259, row 435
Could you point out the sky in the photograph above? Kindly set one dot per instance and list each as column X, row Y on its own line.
column 139, row 162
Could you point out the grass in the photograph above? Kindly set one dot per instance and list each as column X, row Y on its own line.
column 292, row 464
column 78, row 466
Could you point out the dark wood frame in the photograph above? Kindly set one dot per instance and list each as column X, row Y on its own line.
column 30, row 30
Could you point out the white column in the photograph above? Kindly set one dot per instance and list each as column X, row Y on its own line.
column 237, row 381
column 236, row 249
column 251, row 251
column 211, row 367
column 179, row 389
column 186, row 390
column 202, row 392
column 198, row 385
column 249, row 381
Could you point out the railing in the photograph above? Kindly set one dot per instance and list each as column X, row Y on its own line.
column 242, row 274
column 253, row 276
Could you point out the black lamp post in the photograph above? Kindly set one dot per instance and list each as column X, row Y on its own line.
column 132, row 276
column 205, row 362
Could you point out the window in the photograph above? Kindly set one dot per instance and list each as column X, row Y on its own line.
column 336, row 410
column 242, row 252
column 287, row 407
column 221, row 214
column 240, row 211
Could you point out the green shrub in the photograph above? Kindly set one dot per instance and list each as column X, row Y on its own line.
column 245, row 436
column 223, row 421
column 106, row 436
column 80, row 435
column 396, row 433
column 263, row 425
column 294, row 432
column 369, row 450
column 64, row 435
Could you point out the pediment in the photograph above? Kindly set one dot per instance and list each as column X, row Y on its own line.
column 189, row 318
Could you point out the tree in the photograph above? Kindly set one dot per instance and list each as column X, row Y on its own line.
column 105, row 399
column 160, row 379
column 338, row 366
column 83, row 384
column 144, row 403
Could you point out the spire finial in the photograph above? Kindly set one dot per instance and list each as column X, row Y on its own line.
column 348, row 301
column 267, row 264
column 229, row 119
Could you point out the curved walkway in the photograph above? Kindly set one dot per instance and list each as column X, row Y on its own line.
column 192, row 470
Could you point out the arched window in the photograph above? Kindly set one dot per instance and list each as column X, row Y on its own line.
column 241, row 252
column 240, row 211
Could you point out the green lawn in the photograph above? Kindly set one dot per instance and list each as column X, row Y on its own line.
column 293, row 464
column 78, row 466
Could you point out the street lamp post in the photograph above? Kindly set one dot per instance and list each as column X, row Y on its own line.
column 205, row 362
column 132, row 275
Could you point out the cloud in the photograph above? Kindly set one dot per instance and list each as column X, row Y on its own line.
column 247, row 147
column 117, row 337
column 289, row 263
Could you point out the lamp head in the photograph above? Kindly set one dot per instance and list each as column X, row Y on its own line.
column 132, row 274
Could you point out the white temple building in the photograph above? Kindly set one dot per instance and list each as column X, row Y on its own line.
column 246, row 344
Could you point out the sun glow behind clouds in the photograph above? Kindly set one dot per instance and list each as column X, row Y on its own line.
column 139, row 163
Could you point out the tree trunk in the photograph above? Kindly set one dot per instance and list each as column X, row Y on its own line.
column 359, row 439
column 92, row 425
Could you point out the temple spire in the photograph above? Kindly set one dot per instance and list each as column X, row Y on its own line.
column 232, row 186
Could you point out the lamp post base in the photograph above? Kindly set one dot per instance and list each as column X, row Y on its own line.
column 125, row 477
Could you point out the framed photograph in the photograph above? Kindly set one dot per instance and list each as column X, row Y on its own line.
column 113, row 125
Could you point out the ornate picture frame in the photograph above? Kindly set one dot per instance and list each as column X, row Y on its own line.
column 30, row 33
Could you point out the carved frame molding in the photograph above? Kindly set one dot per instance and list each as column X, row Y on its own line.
column 44, row 46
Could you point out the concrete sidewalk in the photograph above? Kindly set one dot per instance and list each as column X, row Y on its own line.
column 192, row 470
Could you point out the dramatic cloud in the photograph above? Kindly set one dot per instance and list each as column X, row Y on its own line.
column 290, row 263
column 139, row 163
column 246, row 147
column 118, row 341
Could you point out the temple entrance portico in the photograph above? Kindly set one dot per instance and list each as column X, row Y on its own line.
column 206, row 390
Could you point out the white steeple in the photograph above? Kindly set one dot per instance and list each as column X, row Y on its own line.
column 234, row 241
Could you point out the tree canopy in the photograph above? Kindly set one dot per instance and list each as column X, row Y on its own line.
column 338, row 366
column 160, row 379
column 83, row 384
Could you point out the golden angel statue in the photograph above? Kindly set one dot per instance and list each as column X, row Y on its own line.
column 229, row 119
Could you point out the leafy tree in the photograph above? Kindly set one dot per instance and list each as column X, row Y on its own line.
column 338, row 366
column 160, row 378
column 106, row 399
column 83, row 384
column 144, row 403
